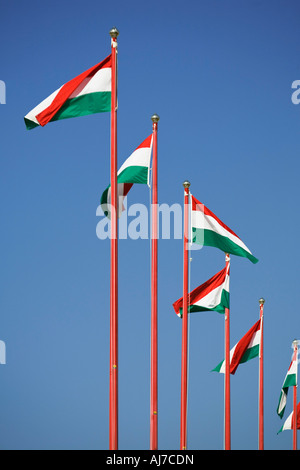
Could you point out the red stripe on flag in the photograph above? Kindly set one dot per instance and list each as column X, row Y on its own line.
column 242, row 346
column 293, row 359
column 298, row 418
column 126, row 188
column 201, row 291
column 146, row 143
column 198, row 206
column 67, row 89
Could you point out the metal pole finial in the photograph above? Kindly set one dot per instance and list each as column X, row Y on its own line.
column 114, row 33
column 155, row 118
column 186, row 184
column 295, row 343
column 261, row 301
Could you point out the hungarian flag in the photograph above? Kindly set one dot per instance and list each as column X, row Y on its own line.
column 135, row 169
column 289, row 381
column 247, row 348
column 88, row 93
column 289, row 423
column 212, row 295
column 208, row 230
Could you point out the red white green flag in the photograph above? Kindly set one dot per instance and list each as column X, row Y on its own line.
column 208, row 230
column 289, row 381
column 289, row 422
column 213, row 295
column 247, row 348
column 136, row 169
column 88, row 93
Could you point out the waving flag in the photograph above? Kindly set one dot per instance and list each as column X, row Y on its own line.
column 289, row 423
column 135, row 169
column 208, row 230
column 88, row 93
column 289, row 381
column 212, row 295
column 247, row 348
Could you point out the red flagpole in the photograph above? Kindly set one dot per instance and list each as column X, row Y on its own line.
column 153, row 372
column 294, row 419
column 261, row 378
column 113, row 383
column 227, row 373
column 184, row 348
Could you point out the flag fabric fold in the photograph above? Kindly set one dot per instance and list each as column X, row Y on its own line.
column 208, row 230
column 247, row 348
column 289, row 381
column 88, row 93
column 136, row 169
column 289, row 422
column 213, row 295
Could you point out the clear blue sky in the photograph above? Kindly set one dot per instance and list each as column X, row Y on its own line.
column 219, row 74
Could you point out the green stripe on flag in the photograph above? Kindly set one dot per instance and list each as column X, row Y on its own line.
column 250, row 353
column 218, row 367
column 30, row 124
column 210, row 238
column 225, row 299
column 290, row 381
column 134, row 174
column 91, row 103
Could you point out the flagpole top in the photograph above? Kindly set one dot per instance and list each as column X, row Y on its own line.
column 295, row 343
column 186, row 184
column 114, row 33
column 261, row 301
column 155, row 118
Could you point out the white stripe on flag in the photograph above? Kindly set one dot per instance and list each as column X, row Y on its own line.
column 207, row 222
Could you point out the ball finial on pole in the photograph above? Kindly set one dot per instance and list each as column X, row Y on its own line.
column 155, row 118
column 186, row 184
column 114, row 33
column 261, row 301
